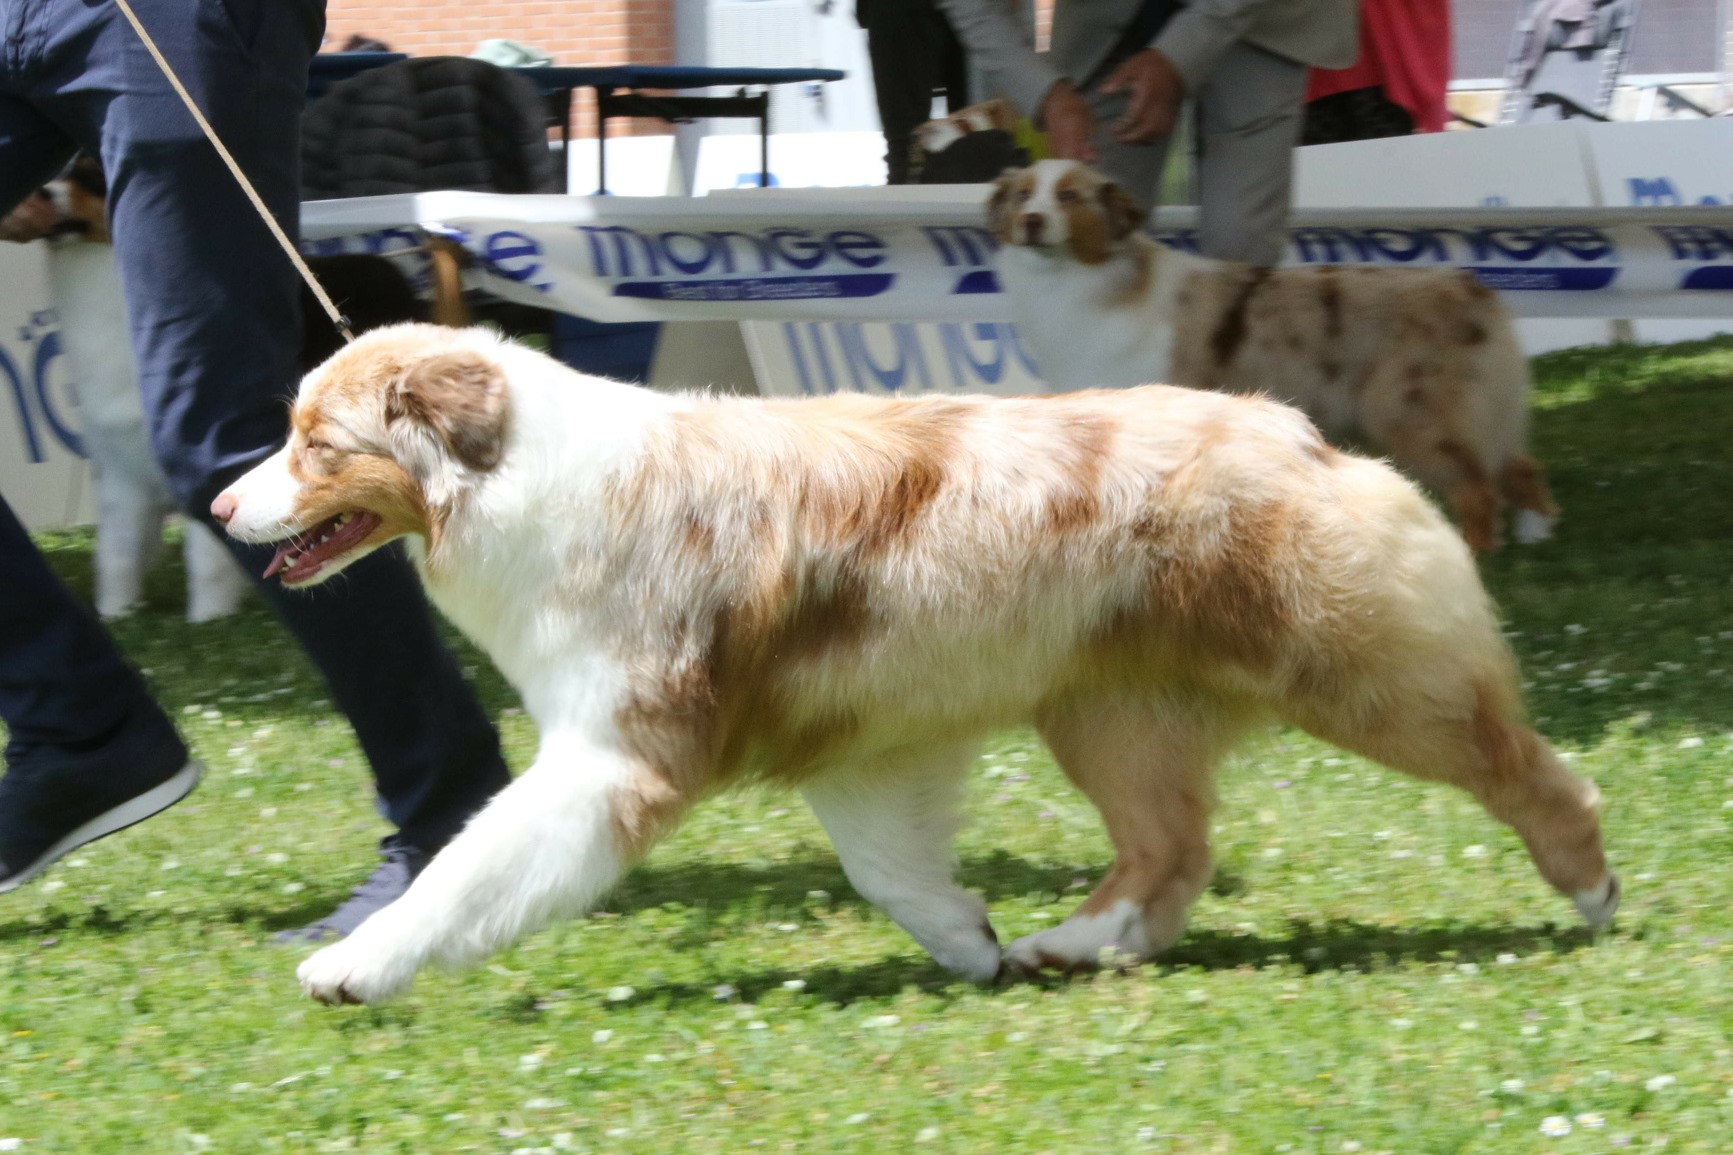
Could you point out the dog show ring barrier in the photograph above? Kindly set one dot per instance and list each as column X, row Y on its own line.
column 877, row 290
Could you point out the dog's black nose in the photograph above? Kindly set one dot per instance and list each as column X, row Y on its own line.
column 1032, row 226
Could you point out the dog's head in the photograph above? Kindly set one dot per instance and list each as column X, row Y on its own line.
column 385, row 438
column 988, row 116
column 80, row 196
column 1061, row 206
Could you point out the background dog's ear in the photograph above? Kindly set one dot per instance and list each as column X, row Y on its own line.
column 1124, row 215
column 461, row 397
column 999, row 204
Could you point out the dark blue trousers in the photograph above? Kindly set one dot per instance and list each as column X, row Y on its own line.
column 215, row 326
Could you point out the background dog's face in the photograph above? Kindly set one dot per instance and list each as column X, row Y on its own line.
column 384, row 436
column 1061, row 206
column 80, row 196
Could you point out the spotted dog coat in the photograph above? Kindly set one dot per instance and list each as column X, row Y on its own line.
column 845, row 595
column 1419, row 364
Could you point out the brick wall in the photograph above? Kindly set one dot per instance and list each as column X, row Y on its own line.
column 571, row 31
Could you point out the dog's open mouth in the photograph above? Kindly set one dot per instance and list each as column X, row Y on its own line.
column 302, row 557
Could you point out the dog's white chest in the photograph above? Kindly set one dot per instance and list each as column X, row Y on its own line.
column 1091, row 326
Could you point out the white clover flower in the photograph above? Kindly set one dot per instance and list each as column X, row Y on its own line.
column 926, row 1134
column 1475, row 851
column 874, row 1022
column 723, row 992
column 1512, row 1086
column 794, row 985
column 528, row 1062
column 858, row 1117
column 1593, row 1120
column 620, row 994
column 1555, row 1126
column 602, row 1036
column 11, row 1144
column 1660, row 1083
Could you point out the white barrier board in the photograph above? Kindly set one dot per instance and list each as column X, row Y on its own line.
column 43, row 475
column 881, row 289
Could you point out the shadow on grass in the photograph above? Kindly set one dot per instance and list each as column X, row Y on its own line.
column 786, row 887
column 1330, row 946
column 102, row 922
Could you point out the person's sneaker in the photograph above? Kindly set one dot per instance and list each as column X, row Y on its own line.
column 54, row 801
column 401, row 863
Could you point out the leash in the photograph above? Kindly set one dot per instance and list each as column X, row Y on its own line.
column 331, row 310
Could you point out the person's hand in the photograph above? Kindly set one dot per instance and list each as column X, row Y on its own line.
column 1156, row 95
column 1070, row 126
column 35, row 217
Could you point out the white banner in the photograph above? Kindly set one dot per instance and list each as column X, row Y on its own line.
column 43, row 474
column 860, row 254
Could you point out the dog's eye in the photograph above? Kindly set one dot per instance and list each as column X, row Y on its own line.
column 1067, row 196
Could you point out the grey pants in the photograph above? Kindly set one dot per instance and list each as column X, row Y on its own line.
column 1249, row 115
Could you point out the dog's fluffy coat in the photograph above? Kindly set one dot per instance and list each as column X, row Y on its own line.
column 846, row 594
column 1422, row 364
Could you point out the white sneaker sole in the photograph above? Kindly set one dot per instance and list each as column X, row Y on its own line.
column 134, row 810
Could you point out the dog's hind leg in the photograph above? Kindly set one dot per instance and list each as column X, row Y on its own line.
column 1149, row 766
column 1428, row 719
column 892, row 821
column 1524, row 486
column 547, row 846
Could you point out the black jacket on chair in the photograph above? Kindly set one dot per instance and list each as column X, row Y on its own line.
column 432, row 122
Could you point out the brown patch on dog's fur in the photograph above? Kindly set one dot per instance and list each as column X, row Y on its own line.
column 334, row 481
column 1091, row 227
column 1330, row 297
column 1475, row 501
column 1078, row 504
column 461, row 397
column 1007, row 191
column 1525, row 487
column 1230, row 330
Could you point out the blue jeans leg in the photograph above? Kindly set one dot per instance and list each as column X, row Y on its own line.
column 213, row 306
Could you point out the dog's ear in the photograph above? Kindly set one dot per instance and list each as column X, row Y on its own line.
column 1124, row 215
column 999, row 211
column 461, row 397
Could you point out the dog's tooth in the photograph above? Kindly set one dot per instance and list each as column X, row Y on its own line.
column 288, row 563
column 344, row 518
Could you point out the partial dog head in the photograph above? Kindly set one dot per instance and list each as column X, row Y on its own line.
column 988, row 116
column 80, row 196
column 385, row 438
column 1061, row 206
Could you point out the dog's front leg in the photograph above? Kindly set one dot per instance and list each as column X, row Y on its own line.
column 547, row 846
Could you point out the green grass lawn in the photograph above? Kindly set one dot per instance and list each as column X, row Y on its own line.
column 1376, row 968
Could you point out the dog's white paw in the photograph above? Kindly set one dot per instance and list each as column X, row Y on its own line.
column 1114, row 937
column 1598, row 903
column 973, row 957
column 347, row 972
column 1533, row 527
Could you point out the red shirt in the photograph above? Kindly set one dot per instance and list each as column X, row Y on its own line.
column 1405, row 50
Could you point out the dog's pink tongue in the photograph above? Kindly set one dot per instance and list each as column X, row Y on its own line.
column 283, row 552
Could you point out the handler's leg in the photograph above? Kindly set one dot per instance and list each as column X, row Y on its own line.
column 1249, row 117
column 87, row 752
column 213, row 306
